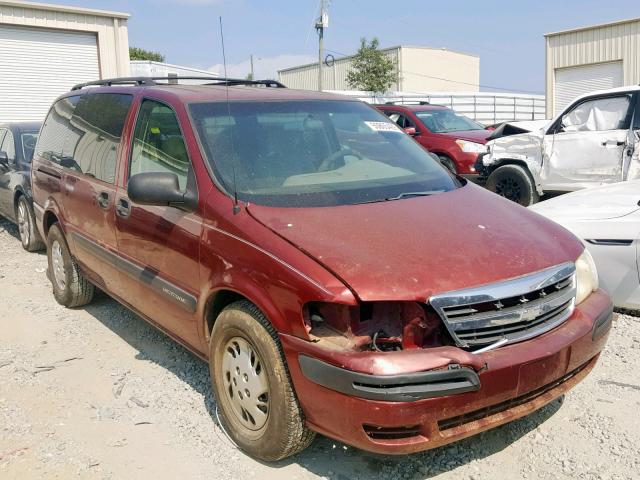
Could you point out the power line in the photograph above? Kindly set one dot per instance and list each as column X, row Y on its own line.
column 453, row 81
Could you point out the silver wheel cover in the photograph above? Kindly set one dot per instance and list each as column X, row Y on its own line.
column 245, row 383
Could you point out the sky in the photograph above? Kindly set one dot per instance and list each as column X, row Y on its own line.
column 508, row 36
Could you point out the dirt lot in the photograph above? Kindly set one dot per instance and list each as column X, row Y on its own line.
column 98, row 393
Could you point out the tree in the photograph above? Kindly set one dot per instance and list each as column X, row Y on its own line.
column 372, row 70
column 141, row 54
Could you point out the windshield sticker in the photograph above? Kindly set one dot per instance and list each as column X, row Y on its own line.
column 383, row 127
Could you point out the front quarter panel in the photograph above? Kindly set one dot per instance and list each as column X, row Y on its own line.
column 526, row 148
column 241, row 255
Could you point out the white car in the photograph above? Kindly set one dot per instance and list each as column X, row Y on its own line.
column 607, row 220
column 592, row 142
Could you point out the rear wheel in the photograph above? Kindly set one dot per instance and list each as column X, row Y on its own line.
column 70, row 287
column 29, row 236
column 514, row 183
column 258, row 407
column 448, row 163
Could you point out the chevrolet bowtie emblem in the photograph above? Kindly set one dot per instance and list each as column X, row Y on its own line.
column 499, row 305
column 523, row 299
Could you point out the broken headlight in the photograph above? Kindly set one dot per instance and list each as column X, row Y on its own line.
column 586, row 276
column 380, row 326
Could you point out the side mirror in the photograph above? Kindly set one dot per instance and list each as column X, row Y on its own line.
column 161, row 189
column 411, row 131
column 4, row 159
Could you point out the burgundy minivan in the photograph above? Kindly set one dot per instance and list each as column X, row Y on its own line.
column 336, row 278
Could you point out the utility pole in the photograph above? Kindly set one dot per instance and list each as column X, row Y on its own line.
column 321, row 24
column 252, row 75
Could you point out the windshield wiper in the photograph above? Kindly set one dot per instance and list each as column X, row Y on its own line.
column 425, row 193
column 402, row 195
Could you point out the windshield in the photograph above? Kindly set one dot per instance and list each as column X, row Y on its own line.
column 445, row 120
column 313, row 153
column 28, row 142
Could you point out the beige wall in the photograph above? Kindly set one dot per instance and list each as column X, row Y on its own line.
column 619, row 41
column 109, row 27
column 419, row 69
column 430, row 69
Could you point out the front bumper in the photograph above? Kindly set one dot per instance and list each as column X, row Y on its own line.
column 455, row 394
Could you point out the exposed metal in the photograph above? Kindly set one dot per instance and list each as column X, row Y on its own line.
column 514, row 310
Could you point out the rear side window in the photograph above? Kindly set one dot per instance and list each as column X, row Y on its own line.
column 9, row 147
column 82, row 133
column 57, row 138
column 99, row 120
column 158, row 145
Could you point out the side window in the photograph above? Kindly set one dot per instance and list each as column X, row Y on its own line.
column 57, row 141
column 158, row 145
column 9, row 147
column 2, row 132
column 401, row 120
column 98, row 121
column 600, row 114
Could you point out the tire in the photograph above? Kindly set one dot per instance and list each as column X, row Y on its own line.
column 272, row 426
column 70, row 287
column 514, row 183
column 29, row 236
column 448, row 163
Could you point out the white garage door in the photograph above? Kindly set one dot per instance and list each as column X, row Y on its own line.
column 37, row 65
column 575, row 81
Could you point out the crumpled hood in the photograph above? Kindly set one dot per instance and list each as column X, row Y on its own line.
column 478, row 136
column 413, row 248
column 599, row 203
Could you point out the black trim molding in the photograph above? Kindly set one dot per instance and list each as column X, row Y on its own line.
column 145, row 275
column 408, row 387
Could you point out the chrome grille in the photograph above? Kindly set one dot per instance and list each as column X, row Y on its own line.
column 509, row 311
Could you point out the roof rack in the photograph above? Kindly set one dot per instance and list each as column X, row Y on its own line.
column 149, row 81
column 421, row 102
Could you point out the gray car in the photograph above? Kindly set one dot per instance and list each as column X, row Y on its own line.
column 17, row 143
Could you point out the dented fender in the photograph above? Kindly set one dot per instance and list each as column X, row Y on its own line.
column 527, row 148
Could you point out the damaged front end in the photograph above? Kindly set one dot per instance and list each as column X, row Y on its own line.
column 403, row 347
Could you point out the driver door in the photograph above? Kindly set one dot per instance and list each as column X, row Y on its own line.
column 585, row 147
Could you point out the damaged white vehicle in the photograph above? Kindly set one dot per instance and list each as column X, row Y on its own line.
column 592, row 142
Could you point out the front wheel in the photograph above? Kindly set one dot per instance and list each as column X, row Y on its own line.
column 514, row 183
column 448, row 164
column 258, row 407
column 29, row 236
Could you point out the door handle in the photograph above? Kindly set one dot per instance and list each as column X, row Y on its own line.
column 123, row 208
column 612, row 143
column 102, row 199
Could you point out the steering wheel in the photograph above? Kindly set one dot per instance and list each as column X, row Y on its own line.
column 329, row 162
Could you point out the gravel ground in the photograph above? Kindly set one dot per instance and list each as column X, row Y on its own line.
column 98, row 393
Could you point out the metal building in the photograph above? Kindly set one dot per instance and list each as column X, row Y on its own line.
column 418, row 69
column 46, row 49
column 591, row 58
column 148, row 68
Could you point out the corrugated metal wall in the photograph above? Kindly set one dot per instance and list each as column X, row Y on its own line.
column 111, row 29
column 618, row 41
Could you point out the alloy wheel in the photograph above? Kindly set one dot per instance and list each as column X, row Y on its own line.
column 509, row 188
